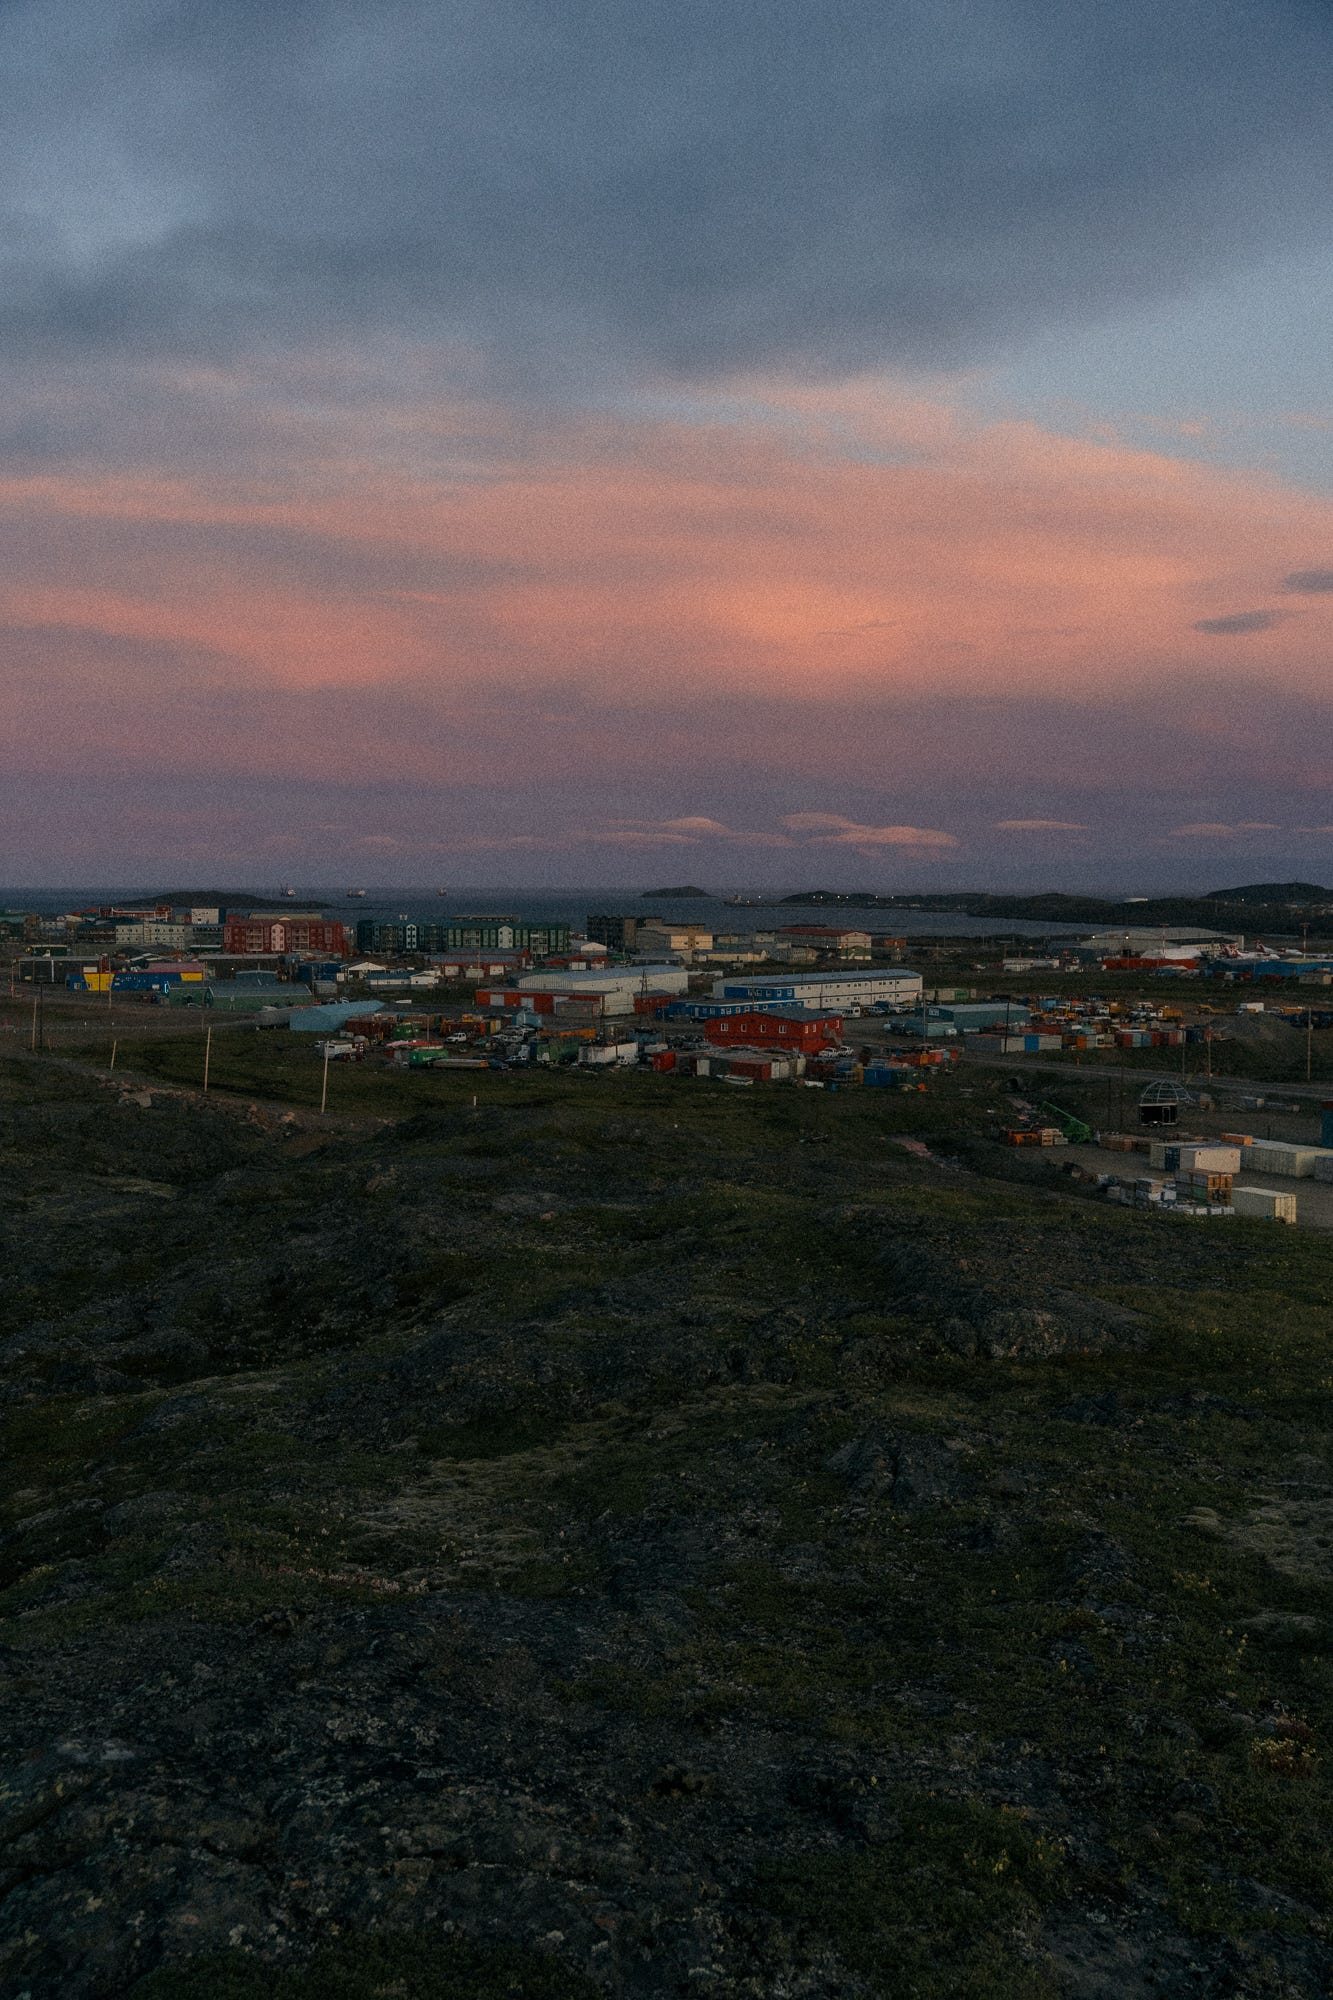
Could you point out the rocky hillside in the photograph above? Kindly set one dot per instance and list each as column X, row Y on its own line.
column 641, row 1539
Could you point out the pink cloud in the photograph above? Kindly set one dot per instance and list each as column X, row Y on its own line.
column 1040, row 826
column 832, row 829
column 1215, row 829
column 857, row 593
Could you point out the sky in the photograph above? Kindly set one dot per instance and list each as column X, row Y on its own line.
column 742, row 442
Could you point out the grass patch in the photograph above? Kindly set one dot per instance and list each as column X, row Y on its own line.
column 402, row 1967
column 943, row 1911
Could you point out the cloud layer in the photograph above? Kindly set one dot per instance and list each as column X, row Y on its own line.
column 1238, row 623
column 604, row 187
column 851, row 622
column 552, row 432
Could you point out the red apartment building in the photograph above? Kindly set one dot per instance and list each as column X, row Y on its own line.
column 801, row 1032
column 283, row 933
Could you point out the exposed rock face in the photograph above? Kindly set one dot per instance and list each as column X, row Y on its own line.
column 908, row 1472
column 974, row 1312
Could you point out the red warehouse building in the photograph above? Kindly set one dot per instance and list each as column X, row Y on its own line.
column 799, row 1030
column 280, row 934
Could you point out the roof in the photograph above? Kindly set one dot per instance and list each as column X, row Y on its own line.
column 1148, row 935
column 599, row 980
column 836, row 976
column 807, row 1017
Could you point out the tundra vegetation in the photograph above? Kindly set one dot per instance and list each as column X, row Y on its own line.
column 638, row 1537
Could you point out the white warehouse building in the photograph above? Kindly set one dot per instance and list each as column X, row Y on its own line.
column 894, row 983
column 617, row 988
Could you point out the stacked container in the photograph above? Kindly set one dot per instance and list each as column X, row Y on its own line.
column 1275, row 1156
column 1265, row 1203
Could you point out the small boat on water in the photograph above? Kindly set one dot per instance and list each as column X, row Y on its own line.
column 355, row 895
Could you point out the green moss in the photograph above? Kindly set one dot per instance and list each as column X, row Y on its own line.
column 405, row 1966
column 943, row 1910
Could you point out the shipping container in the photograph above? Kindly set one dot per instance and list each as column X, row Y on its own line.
column 886, row 1076
column 1266, row 1203
column 1276, row 1157
column 1204, row 1186
column 1209, row 1159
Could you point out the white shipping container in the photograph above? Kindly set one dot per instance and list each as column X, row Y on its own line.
column 1266, row 1203
column 1272, row 1156
column 614, row 1052
column 1210, row 1159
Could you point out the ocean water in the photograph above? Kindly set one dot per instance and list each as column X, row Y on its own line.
column 570, row 906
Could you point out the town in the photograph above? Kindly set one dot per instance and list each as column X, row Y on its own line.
column 1148, row 1057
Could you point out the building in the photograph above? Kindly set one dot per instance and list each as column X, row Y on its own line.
column 468, row 934
column 616, row 933
column 617, row 988
column 1165, row 941
column 167, row 933
column 803, row 1030
column 784, row 951
column 830, row 939
column 476, row 965
column 155, row 978
column 975, row 1016
column 894, row 984
column 1317, row 970
column 274, row 932
column 657, row 934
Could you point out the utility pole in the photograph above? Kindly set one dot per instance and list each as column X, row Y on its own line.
column 208, row 1050
column 324, row 1093
column 112, row 1063
column 1309, row 1039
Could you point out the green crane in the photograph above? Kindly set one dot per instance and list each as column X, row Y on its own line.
column 1073, row 1128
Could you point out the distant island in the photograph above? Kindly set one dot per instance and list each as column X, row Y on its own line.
column 1287, row 893
column 676, row 895
column 1265, row 904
